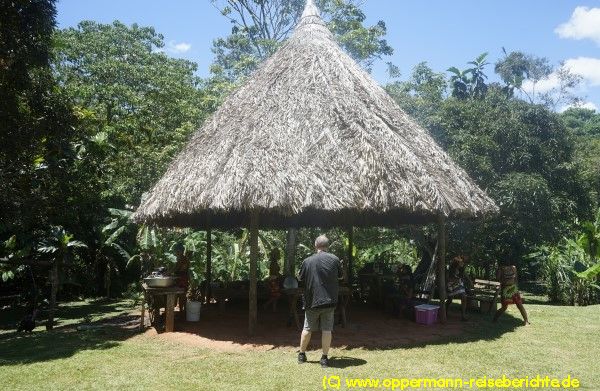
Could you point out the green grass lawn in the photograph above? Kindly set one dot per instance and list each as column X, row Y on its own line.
column 561, row 341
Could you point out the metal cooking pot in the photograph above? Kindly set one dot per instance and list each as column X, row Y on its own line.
column 160, row 282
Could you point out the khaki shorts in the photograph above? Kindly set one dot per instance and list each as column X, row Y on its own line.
column 319, row 319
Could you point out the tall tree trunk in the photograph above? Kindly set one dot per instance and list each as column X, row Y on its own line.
column 441, row 268
column 290, row 252
column 252, row 302
column 107, row 280
column 349, row 267
column 208, row 288
column 53, row 276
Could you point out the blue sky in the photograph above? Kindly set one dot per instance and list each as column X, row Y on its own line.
column 443, row 33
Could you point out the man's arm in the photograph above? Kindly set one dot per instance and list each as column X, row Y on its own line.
column 301, row 272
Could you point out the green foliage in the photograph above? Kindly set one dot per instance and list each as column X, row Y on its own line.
column 36, row 124
column 421, row 95
column 584, row 124
column 571, row 269
column 519, row 152
column 517, row 67
column 91, row 118
column 9, row 256
column 59, row 247
column 259, row 27
column 58, row 242
column 469, row 83
column 138, row 105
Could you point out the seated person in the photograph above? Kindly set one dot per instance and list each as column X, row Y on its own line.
column 406, row 286
column 509, row 292
column 455, row 285
column 398, row 293
column 274, row 280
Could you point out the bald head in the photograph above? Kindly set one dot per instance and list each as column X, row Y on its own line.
column 322, row 243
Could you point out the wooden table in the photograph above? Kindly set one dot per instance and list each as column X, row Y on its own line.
column 171, row 293
column 293, row 295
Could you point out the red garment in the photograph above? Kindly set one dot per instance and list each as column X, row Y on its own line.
column 511, row 295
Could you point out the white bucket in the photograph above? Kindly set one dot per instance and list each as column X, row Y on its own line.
column 192, row 311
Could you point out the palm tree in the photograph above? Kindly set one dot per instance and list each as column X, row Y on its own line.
column 60, row 244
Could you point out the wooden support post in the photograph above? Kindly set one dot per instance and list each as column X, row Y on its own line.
column 53, row 292
column 290, row 253
column 170, row 313
column 143, row 317
column 252, row 299
column 207, row 288
column 350, row 254
column 441, row 267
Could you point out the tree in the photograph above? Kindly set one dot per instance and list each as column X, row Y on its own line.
column 584, row 124
column 260, row 26
column 139, row 103
column 470, row 83
column 36, row 122
column 59, row 244
column 422, row 96
column 524, row 72
column 517, row 67
column 519, row 152
column 136, row 107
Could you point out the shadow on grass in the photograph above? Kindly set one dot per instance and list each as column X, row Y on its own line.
column 57, row 344
column 368, row 328
column 112, row 325
column 341, row 362
column 345, row 362
column 66, row 313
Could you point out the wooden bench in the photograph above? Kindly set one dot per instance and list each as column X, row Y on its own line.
column 485, row 294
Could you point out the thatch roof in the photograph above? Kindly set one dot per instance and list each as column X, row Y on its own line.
column 311, row 139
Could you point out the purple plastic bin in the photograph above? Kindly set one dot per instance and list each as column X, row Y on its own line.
column 426, row 313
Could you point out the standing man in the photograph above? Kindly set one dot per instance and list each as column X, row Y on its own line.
column 319, row 274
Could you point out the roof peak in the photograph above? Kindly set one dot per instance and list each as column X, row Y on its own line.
column 310, row 9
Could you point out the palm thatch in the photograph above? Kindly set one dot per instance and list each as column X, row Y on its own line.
column 311, row 140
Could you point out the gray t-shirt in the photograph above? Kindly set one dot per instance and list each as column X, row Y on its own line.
column 320, row 274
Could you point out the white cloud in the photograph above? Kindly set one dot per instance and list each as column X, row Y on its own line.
column 181, row 47
column 582, row 105
column 586, row 67
column 584, row 24
column 541, row 86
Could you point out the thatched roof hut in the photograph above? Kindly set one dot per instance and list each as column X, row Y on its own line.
column 311, row 139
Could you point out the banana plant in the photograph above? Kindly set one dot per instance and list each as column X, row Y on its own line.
column 155, row 248
column 9, row 254
column 110, row 247
column 589, row 239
